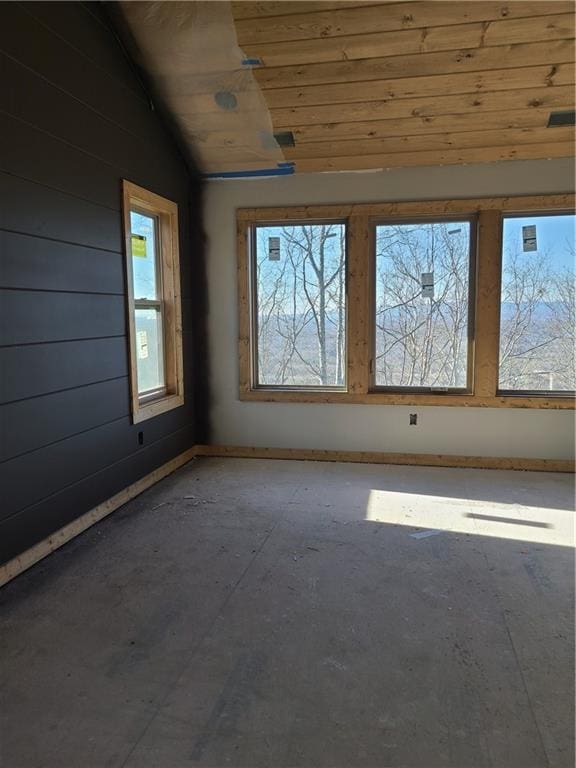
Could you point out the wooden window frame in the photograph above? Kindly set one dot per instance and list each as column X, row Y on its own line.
column 472, row 261
column 168, row 260
column 253, row 314
column 358, row 217
column 526, row 392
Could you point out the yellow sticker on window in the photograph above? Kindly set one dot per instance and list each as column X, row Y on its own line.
column 139, row 246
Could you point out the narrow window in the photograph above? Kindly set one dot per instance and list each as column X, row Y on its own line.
column 154, row 312
column 537, row 304
column 299, row 305
column 423, row 328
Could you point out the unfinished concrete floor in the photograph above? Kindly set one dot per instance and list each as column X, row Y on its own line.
column 275, row 614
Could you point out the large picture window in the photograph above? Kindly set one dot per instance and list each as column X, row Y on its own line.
column 537, row 324
column 154, row 312
column 461, row 302
column 299, row 305
column 422, row 310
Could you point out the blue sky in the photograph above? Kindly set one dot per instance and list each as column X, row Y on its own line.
column 554, row 235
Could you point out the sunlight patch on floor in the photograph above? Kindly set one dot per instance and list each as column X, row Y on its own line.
column 479, row 518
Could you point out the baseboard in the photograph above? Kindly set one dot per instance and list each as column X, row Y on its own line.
column 373, row 457
column 22, row 562
column 27, row 559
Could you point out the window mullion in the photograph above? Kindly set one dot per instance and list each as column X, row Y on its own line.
column 488, row 304
column 359, row 304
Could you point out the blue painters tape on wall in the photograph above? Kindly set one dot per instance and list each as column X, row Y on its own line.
column 251, row 62
column 286, row 169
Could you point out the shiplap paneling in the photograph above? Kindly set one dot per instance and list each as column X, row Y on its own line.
column 39, row 421
column 34, row 523
column 69, row 461
column 39, row 369
column 85, row 31
column 30, row 317
column 44, row 159
column 37, row 209
column 325, row 67
column 31, row 262
column 74, row 121
column 31, row 99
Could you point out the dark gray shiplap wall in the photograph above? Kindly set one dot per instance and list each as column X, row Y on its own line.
column 74, row 121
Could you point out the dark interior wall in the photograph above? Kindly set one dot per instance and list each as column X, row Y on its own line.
column 74, row 121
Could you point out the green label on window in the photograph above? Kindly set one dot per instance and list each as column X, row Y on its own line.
column 139, row 246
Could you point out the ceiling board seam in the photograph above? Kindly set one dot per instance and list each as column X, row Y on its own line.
column 511, row 140
column 341, row 43
column 437, row 157
column 544, row 113
column 487, row 21
column 294, row 112
column 261, row 17
column 564, row 58
column 398, row 99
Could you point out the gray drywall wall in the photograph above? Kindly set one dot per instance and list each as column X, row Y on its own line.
column 452, row 430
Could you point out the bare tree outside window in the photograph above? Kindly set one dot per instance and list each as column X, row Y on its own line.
column 300, row 305
column 422, row 300
column 537, row 315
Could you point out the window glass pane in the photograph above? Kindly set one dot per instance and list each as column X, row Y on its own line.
column 143, row 242
column 301, row 305
column 537, row 309
column 149, row 353
column 422, row 285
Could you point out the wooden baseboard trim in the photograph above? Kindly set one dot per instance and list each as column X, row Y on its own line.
column 372, row 457
column 31, row 556
column 39, row 551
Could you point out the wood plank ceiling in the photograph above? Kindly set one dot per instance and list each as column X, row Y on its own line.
column 366, row 85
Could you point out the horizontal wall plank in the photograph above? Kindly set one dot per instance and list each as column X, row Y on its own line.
column 69, row 461
column 438, row 157
column 391, row 18
column 29, row 317
column 415, row 126
column 561, row 97
column 423, row 87
column 42, row 368
column 36, row 263
column 41, row 158
column 31, row 424
column 470, row 139
column 73, row 73
column 27, row 97
column 75, row 24
column 379, row 44
column 38, row 210
column 35, row 523
column 418, row 65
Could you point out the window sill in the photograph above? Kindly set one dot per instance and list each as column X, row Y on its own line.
column 408, row 399
column 156, row 407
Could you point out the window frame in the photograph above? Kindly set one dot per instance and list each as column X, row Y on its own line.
column 253, row 299
column 360, row 262
column 152, row 403
column 472, row 220
column 554, row 393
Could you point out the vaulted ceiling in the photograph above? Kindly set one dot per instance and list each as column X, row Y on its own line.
column 369, row 85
